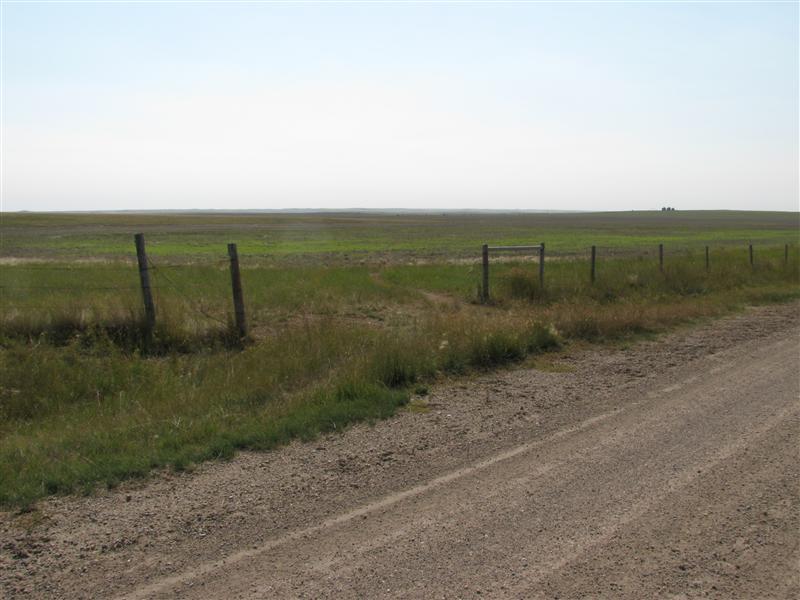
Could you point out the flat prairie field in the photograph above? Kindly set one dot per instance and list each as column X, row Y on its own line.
column 348, row 316
column 377, row 236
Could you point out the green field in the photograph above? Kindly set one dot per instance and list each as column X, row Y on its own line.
column 350, row 315
column 376, row 236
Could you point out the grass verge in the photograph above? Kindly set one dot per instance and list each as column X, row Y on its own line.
column 83, row 408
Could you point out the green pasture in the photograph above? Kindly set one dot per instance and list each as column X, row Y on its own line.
column 359, row 313
column 376, row 236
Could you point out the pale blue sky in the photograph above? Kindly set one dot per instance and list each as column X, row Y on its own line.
column 605, row 106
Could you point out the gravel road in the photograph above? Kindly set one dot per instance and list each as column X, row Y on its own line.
column 666, row 469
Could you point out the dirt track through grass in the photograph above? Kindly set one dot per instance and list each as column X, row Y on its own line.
column 520, row 483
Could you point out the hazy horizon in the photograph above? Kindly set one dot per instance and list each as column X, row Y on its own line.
column 356, row 210
column 527, row 107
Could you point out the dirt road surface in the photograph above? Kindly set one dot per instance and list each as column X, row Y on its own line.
column 669, row 469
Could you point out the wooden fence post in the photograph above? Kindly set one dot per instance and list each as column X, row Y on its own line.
column 594, row 258
column 661, row 257
column 238, row 298
column 786, row 254
column 541, row 265
column 707, row 259
column 485, row 258
column 750, row 249
column 144, row 279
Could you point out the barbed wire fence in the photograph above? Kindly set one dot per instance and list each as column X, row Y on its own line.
column 193, row 295
column 28, row 295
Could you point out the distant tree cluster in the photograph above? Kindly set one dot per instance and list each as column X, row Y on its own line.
column 663, row 208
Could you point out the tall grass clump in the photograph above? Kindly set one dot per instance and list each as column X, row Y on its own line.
column 523, row 284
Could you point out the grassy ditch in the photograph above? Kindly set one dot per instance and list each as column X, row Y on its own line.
column 88, row 406
column 79, row 414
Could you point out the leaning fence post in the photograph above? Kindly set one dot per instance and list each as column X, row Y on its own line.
column 485, row 257
column 661, row 257
column 707, row 259
column 541, row 265
column 236, row 284
column 144, row 279
column 594, row 258
column 750, row 249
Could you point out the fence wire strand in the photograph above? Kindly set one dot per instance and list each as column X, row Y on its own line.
column 193, row 304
